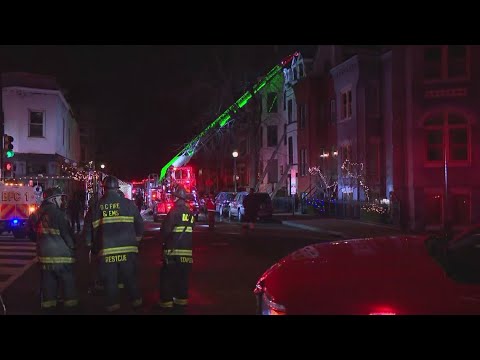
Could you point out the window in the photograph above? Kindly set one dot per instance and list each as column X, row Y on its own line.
column 446, row 62
column 261, row 136
column 36, row 124
column 290, row 110
column 301, row 116
column 272, row 103
column 272, row 135
column 290, row 150
column 285, row 132
column 346, row 97
column 284, row 100
column 333, row 111
column 448, row 132
column 281, row 169
column 303, row 162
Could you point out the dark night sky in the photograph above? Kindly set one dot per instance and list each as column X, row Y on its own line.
column 143, row 94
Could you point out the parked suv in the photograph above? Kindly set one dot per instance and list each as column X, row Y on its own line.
column 222, row 202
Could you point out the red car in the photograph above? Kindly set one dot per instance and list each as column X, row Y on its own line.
column 384, row 275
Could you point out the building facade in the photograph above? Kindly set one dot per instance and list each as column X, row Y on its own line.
column 45, row 132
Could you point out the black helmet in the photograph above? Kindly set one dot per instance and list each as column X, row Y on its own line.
column 110, row 182
column 180, row 193
column 52, row 192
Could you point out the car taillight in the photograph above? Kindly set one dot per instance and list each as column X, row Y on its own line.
column 32, row 209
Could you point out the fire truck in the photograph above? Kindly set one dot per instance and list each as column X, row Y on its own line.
column 18, row 202
column 162, row 198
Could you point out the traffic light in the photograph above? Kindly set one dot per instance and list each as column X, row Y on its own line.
column 7, row 167
column 8, row 146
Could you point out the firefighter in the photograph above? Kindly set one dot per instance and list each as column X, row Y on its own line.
column 115, row 228
column 50, row 229
column 210, row 205
column 177, row 233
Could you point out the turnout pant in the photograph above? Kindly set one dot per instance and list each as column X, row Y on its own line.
column 52, row 277
column 174, row 278
column 124, row 266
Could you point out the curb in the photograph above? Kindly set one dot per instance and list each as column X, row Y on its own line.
column 313, row 228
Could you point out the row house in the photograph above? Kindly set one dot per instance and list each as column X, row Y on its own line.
column 41, row 121
column 434, row 134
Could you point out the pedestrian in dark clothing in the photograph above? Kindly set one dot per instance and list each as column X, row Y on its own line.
column 113, row 230
column 139, row 202
column 74, row 209
column 50, row 229
column 177, row 233
column 250, row 205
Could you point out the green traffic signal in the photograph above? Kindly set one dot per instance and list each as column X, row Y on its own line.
column 10, row 153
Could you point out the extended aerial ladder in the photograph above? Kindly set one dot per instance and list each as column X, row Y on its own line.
column 227, row 117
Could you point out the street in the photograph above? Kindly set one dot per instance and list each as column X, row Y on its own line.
column 227, row 263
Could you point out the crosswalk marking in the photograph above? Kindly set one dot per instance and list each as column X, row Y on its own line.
column 16, row 257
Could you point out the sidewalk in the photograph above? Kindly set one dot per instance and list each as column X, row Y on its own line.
column 342, row 228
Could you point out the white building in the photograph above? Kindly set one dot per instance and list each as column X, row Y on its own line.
column 39, row 118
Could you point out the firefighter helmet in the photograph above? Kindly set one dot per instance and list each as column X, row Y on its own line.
column 52, row 192
column 180, row 193
column 110, row 182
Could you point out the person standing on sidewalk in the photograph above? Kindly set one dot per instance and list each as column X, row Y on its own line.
column 250, row 205
column 114, row 228
column 50, row 229
column 177, row 231
column 74, row 208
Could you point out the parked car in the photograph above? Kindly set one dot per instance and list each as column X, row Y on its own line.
column 382, row 275
column 236, row 208
column 222, row 202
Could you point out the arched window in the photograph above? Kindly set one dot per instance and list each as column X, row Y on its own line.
column 450, row 132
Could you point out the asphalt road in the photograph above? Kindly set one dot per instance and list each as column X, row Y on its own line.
column 227, row 263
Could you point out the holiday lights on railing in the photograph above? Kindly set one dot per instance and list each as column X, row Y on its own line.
column 350, row 170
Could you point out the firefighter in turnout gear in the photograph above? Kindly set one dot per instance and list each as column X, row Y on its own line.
column 114, row 230
column 50, row 229
column 177, row 233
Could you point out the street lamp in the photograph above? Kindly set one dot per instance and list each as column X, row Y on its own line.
column 235, row 155
column 102, row 166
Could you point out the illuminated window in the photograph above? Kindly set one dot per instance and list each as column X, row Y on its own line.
column 446, row 62
column 448, row 132
column 36, row 124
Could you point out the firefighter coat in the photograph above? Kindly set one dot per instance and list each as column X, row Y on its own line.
column 177, row 230
column 113, row 225
column 50, row 229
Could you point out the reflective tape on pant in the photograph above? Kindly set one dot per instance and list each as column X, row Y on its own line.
column 48, row 231
column 165, row 304
column 49, row 304
column 118, row 250
column 182, row 302
column 137, row 302
column 56, row 260
column 188, row 229
column 177, row 252
column 114, row 307
column 70, row 303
